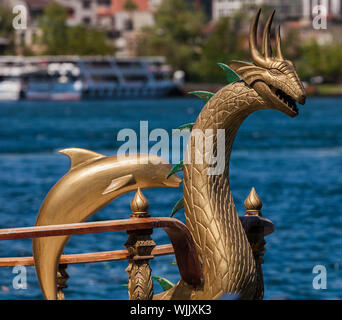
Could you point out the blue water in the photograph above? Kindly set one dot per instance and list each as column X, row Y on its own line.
column 294, row 164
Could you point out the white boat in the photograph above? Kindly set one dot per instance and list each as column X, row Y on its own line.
column 11, row 84
column 73, row 77
column 110, row 78
column 38, row 90
column 10, row 88
column 53, row 83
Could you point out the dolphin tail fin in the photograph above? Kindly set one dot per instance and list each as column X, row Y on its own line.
column 78, row 156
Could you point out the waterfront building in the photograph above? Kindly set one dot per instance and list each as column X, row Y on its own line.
column 333, row 7
column 121, row 19
column 223, row 8
column 286, row 10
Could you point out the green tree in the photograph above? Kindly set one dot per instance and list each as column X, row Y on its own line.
column 319, row 60
column 333, row 57
column 55, row 30
column 60, row 39
column 85, row 41
column 177, row 35
column 6, row 29
column 180, row 35
column 225, row 43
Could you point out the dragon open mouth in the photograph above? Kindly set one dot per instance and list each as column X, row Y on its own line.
column 285, row 99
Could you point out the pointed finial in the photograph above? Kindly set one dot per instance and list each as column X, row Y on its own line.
column 253, row 204
column 139, row 205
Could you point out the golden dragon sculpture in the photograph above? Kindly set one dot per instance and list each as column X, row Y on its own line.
column 222, row 245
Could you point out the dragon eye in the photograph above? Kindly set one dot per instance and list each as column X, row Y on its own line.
column 275, row 71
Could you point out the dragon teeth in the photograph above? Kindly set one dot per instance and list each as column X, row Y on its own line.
column 286, row 99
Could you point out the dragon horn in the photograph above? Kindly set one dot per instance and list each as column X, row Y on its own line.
column 266, row 45
column 278, row 45
column 255, row 54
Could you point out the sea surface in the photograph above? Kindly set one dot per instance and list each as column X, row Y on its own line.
column 295, row 164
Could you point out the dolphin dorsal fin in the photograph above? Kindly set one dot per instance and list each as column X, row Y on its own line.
column 78, row 156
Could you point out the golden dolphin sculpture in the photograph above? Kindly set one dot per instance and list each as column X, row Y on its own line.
column 93, row 181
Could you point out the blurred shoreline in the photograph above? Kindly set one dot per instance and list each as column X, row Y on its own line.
column 320, row 90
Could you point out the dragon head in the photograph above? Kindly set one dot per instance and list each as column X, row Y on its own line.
column 275, row 79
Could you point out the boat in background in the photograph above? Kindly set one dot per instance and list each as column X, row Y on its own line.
column 11, row 83
column 54, row 82
column 110, row 78
column 70, row 78
column 10, row 88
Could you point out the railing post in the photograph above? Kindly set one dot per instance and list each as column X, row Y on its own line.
column 62, row 278
column 140, row 246
column 256, row 228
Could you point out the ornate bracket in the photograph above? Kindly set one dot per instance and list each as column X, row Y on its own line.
column 140, row 246
column 256, row 228
column 62, row 278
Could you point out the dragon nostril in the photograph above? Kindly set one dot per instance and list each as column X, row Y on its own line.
column 302, row 99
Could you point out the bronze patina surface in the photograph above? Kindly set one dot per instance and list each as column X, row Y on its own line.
column 228, row 262
column 92, row 182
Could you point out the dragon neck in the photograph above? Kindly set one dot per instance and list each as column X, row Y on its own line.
column 222, row 245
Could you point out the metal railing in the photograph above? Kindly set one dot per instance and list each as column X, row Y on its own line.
column 140, row 248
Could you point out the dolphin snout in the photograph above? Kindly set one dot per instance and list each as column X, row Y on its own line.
column 173, row 181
